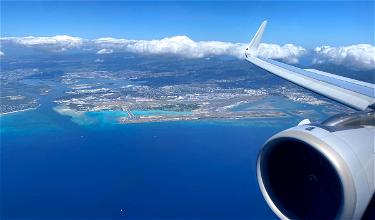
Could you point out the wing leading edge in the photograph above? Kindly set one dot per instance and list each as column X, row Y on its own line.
column 353, row 93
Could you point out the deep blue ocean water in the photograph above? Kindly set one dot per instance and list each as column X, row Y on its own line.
column 55, row 166
column 52, row 167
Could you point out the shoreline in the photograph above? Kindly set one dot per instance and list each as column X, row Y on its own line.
column 127, row 117
column 22, row 110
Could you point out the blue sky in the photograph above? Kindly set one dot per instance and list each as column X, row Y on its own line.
column 308, row 24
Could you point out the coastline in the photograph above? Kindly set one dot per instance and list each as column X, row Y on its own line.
column 22, row 110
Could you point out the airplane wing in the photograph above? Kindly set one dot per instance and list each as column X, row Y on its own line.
column 353, row 93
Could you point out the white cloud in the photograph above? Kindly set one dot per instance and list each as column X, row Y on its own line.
column 65, row 40
column 112, row 42
column 288, row 53
column 105, row 51
column 186, row 47
column 2, row 53
column 178, row 45
column 360, row 56
column 55, row 43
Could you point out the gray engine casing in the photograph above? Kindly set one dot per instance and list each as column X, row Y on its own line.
column 317, row 157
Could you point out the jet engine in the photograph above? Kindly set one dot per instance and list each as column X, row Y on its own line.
column 320, row 171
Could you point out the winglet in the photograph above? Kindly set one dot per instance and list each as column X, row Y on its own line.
column 254, row 44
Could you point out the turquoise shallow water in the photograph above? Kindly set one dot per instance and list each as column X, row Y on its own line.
column 109, row 117
column 105, row 117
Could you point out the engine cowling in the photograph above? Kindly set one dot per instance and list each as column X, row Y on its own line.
column 318, row 172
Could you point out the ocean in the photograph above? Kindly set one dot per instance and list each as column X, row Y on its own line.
column 53, row 167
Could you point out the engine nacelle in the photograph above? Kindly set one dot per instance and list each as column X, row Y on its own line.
column 318, row 172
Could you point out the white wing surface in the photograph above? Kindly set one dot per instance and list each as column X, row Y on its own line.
column 353, row 93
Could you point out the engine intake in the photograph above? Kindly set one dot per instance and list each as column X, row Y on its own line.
column 310, row 173
column 293, row 171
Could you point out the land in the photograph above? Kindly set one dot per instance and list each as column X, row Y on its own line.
column 212, row 89
column 200, row 116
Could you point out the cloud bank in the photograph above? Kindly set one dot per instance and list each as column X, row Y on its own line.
column 55, row 43
column 186, row 47
column 361, row 56
column 289, row 53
